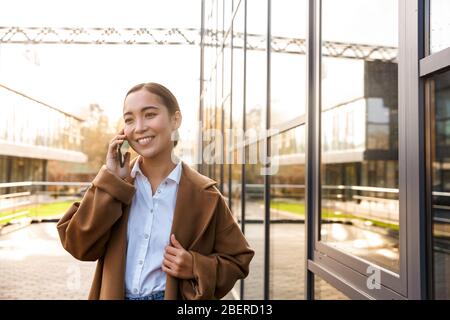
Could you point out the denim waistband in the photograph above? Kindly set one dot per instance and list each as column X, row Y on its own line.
column 157, row 295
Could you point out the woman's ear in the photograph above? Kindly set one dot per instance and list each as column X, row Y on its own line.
column 177, row 118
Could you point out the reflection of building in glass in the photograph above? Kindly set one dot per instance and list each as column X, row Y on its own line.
column 350, row 145
column 440, row 186
column 31, row 133
column 360, row 157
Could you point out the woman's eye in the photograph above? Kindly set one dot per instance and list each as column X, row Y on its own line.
column 128, row 120
column 150, row 115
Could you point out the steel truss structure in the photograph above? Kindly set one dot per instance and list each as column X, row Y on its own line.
column 187, row 36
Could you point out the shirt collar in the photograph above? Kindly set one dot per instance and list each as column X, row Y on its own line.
column 174, row 175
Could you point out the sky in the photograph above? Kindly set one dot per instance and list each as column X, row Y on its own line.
column 71, row 77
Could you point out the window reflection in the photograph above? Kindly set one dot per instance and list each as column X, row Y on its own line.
column 237, row 123
column 254, row 226
column 288, row 70
column 359, row 121
column 440, row 107
column 439, row 25
column 287, row 216
column 20, row 123
column 256, row 65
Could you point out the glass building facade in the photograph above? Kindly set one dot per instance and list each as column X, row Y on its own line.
column 326, row 124
column 31, row 133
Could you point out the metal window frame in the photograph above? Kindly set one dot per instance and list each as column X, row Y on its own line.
column 336, row 267
column 347, row 271
column 266, row 294
column 429, row 65
column 312, row 134
column 244, row 101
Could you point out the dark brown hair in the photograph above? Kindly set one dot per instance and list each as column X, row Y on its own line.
column 167, row 97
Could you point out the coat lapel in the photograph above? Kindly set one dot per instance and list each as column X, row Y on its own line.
column 194, row 210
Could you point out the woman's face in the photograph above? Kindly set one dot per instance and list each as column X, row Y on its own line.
column 148, row 124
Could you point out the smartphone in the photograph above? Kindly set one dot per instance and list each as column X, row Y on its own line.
column 121, row 150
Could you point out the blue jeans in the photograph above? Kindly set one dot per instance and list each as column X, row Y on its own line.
column 157, row 295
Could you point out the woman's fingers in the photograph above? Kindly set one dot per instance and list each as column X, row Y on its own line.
column 171, row 250
column 119, row 136
column 170, row 258
column 112, row 146
column 169, row 271
column 169, row 264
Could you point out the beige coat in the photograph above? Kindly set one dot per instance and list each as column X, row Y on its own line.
column 96, row 229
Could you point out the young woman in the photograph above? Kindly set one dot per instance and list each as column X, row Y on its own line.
column 159, row 229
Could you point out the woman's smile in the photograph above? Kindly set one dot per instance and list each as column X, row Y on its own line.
column 144, row 141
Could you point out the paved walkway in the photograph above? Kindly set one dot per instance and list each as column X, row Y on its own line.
column 33, row 265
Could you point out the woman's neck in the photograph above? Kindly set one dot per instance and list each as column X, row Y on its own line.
column 159, row 167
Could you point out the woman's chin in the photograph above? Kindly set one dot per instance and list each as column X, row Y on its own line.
column 148, row 152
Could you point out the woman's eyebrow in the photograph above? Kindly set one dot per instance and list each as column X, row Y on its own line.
column 142, row 110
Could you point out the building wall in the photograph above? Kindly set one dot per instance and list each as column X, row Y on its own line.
column 256, row 67
column 31, row 133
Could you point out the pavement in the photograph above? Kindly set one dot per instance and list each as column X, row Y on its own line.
column 34, row 266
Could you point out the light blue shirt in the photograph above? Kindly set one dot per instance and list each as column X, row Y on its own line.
column 149, row 226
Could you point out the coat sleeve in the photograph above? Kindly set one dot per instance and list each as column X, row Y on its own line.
column 216, row 274
column 85, row 228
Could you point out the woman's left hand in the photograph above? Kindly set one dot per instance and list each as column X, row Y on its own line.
column 177, row 262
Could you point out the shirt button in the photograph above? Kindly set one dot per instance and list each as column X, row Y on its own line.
column 159, row 191
column 146, row 236
column 135, row 290
column 151, row 210
column 141, row 262
column 165, row 183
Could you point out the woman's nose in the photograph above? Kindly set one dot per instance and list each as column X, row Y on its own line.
column 140, row 125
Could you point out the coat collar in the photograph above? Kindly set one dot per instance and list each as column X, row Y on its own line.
column 195, row 205
column 194, row 209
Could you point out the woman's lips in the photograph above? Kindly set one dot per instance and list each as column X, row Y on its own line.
column 145, row 141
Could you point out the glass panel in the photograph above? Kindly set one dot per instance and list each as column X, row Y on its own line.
column 254, row 225
column 217, row 118
column 256, row 81
column 3, row 172
column 18, row 125
column 359, row 173
column 288, row 62
column 439, row 25
column 237, row 118
column 238, row 70
column 287, row 217
column 227, row 160
column 228, row 10
column 440, row 106
column 324, row 291
column 227, row 67
column 236, row 203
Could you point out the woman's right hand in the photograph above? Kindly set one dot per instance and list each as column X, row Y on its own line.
column 112, row 157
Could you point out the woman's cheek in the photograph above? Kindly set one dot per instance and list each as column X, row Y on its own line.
column 127, row 130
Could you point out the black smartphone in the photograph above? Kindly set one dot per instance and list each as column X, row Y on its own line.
column 121, row 150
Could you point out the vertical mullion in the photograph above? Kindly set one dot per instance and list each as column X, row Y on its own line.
column 230, row 144
column 222, row 121
column 412, row 146
column 430, row 147
column 243, row 194
column 202, row 75
column 312, row 192
column 266, row 176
